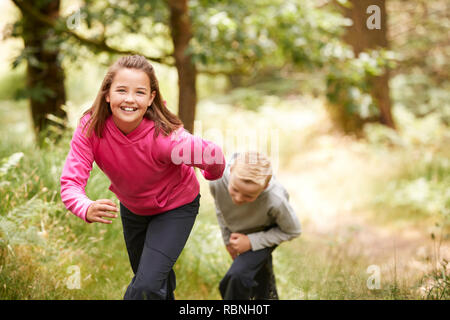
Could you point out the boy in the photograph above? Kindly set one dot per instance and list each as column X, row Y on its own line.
column 255, row 216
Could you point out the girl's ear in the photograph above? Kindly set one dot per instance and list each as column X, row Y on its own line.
column 107, row 97
column 152, row 97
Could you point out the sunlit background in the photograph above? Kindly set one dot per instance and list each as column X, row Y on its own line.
column 371, row 187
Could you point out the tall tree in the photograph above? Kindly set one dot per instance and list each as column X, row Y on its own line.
column 45, row 75
column 205, row 36
column 180, row 26
column 361, row 38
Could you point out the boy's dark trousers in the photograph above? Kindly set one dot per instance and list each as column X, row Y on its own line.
column 250, row 277
column 154, row 244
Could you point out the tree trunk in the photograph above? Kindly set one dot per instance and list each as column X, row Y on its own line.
column 45, row 75
column 360, row 37
column 181, row 34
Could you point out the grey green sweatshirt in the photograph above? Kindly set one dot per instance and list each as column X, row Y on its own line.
column 267, row 221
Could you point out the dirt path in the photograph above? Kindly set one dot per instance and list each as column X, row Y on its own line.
column 330, row 182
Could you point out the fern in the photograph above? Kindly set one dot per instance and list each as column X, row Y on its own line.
column 18, row 226
column 10, row 162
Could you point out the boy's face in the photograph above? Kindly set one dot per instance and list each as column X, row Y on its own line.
column 241, row 191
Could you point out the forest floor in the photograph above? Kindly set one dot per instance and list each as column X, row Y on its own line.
column 332, row 181
column 337, row 184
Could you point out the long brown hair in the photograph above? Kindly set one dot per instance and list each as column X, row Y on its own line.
column 164, row 120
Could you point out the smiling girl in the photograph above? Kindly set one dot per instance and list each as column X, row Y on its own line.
column 136, row 141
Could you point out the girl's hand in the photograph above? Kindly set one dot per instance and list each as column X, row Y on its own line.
column 99, row 209
column 240, row 242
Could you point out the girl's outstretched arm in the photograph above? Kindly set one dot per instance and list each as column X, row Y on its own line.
column 181, row 147
column 75, row 174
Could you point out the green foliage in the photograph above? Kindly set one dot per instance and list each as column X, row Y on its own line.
column 39, row 239
column 19, row 225
column 236, row 38
column 247, row 98
column 11, row 83
column 348, row 81
column 421, row 96
column 273, row 34
column 139, row 26
column 204, row 259
column 424, row 190
column 420, row 37
column 436, row 285
column 38, row 93
column 242, row 37
column 423, row 184
column 49, row 42
column 30, row 200
column 259, row 34
column 9, row 162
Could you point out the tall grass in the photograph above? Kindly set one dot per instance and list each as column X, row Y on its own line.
column 40, row 241
column 417, row 195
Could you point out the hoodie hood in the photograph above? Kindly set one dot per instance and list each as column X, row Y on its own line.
column 145, row 128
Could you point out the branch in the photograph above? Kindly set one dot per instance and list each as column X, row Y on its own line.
column 102, row 45
column 220, row 72
column 96, row 44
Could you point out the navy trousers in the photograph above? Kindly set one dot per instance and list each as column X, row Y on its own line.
column 154, row 244
column 250, row 277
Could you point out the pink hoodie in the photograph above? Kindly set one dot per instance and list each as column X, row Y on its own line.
column 148, row 175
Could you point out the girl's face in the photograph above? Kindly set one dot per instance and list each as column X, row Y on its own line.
column 129, row 97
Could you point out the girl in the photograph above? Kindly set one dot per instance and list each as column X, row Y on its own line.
column 148, row 156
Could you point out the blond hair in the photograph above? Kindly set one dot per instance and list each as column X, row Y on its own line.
column 253, row 167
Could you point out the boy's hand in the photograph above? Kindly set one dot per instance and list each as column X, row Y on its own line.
column 240, row 242
column 233, row 253
column 99, row 209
